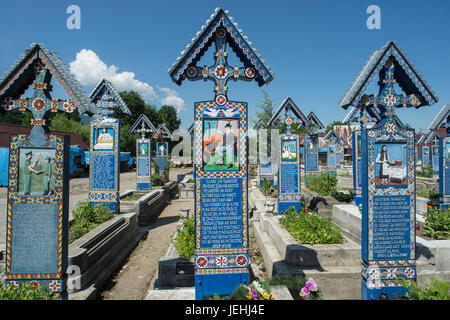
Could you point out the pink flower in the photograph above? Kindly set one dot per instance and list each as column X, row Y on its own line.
column 311, row 285
column 304, row 292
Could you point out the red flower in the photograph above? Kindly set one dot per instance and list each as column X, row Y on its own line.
column 38, row 104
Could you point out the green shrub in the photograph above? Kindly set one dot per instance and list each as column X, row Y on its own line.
column 266, row 187
column 86, row 218
column 157, row 180
column 324, row 183
column 437, row 223
column 185, row 239
column 427, row 172
column 427, row 193
column 342, row 196
column 435, row 290
column 25, row 291
column 310, row 228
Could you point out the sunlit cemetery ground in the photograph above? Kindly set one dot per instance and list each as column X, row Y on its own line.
column 135, row 277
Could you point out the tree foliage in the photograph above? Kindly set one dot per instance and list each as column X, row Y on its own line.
column 266, row 106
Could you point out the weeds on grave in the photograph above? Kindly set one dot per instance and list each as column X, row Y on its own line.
column 427, row 172
column 427, row 193
column 437, row 223
column 267, row 188
column 324, row 183
column 298, row 285
column 253, row 291
column 435, row 290
column 157, row 180
column 24, row 291
column 310, row 228
column 185, row 239
column 342, row 196
column 86, row 218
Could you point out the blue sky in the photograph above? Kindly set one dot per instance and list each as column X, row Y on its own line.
column 315, row 48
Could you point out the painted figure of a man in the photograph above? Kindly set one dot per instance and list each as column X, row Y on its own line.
column 28, row 169
column 228, row 143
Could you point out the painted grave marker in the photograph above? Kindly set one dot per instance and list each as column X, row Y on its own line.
column 266, row 171
column 311, row 151
column 220, row 155
column 388, row 172
column 143, row 152
column 289, row 114
column 38, row 182
column 104, row 151
column 162, row 151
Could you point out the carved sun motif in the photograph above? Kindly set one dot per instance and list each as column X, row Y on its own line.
column 220, row 71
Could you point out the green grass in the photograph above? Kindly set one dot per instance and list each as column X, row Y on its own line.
column 213, row 166
column 310, row 228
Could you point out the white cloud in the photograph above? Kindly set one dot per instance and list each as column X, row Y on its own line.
column 172, row 99
column 89, row 70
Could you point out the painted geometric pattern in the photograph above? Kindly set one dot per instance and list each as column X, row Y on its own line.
column 394, row 52
column 222, row 261
column 104, row 196
column 238, row 38
column 13, row 197
column 384, row 274
column 391, row 131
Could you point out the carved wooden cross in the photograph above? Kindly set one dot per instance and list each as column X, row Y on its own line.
column 220, row 72
column 388, row 99
column 41, row 102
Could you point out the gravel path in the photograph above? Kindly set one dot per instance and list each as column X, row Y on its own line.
column 133, row 278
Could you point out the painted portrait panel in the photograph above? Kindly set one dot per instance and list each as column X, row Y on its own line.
column 37, row 170
column 391, row 164
column 220, row 144
column 288, row 150
column 143, row 149
column 103, row 139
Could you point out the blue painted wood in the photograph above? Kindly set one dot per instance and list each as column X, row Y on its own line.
column 357, row 176
column 143, row 164
column 311, row 143
column 444, row 172
column 289, row 177
column 37, row 222
column 104, row 168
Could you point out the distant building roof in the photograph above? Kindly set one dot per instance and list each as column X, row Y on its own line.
column 7, row 129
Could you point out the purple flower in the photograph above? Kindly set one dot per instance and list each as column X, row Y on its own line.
column 304, row 292
column 311, row 285
column 253, row 292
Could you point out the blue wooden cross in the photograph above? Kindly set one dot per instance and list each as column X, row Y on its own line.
column 220, row 72
column 388, row 100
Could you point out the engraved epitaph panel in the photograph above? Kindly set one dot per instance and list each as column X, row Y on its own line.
column 425, row 156
column 311, row 151
column 143, row 164
column 357, row 177
column 434, row 151
column 221, row 249
column 388, row 220
column 37, row 211
column 104, row 168
column 162, row 158
column 289, row 173
column 444, row 172
column 332, row 150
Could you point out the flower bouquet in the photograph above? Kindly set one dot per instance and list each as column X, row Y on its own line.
column 252, row 291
